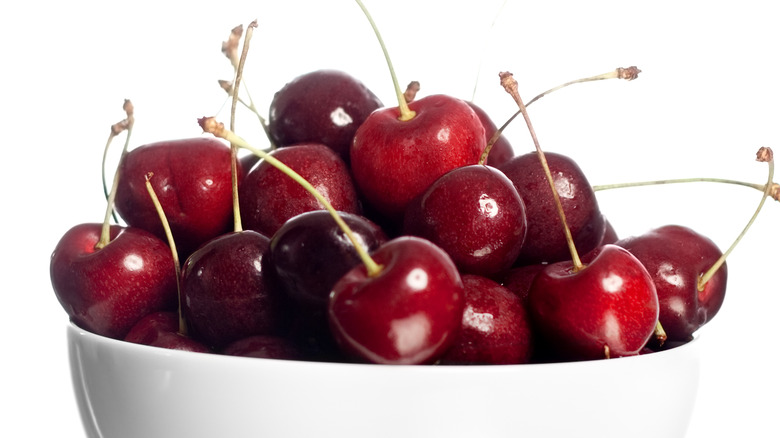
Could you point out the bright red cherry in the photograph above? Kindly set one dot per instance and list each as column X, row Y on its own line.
column 108, row 290
column 193, row 182
column 608, row 308
column 408, row 313
column 394, row 161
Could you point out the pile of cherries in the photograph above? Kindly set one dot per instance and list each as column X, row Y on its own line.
column 417, row 250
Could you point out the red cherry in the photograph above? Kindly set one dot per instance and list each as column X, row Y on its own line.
column 192, row 179
column 475, row 214
column 268, row 197
column 161, row 329
column 409, row 313
column 676, row 258
column 394, row 161
column 495, row 327
column 607, row 308
column 545, row 241
column 323, row 106
column 108, row 290
column 502, row 150
column 229, row 292
column 265, row 346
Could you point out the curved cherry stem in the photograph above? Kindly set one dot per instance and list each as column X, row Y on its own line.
column 627, row 73
column 126, row 124
column 210, row 125
column 510, row 85
column 117, row 128
column 764, row 155
column 403, row 107
column 172, row 244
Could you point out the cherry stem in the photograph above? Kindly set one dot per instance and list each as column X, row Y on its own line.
column 763, row 155
column 117, row 128
column 601, row 187
column 403, row 107
column 627, row 73
column 171, row 244
column 237, row 226
column 510, row 85
column 230, row 50
column 126, row 124
column 660, row 333
column 210, row 125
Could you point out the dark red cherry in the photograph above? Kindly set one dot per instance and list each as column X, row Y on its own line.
column 229, row 292
column 676, row 258
column 323, row 106
column 310, row 253
column 545, row 239
column 475, row 214
column 266, row 347
column 161, row 329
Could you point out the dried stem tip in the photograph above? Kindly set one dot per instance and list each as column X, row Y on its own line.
column 411, row 91
column 212, row 126
column 629, row 73
column 510, row 85
column 125, row 124
column 230, row 47
column 764, row 155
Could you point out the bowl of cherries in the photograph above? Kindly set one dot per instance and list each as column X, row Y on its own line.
column 380, row 270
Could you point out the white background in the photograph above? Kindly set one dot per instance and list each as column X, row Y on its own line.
column 706, row 101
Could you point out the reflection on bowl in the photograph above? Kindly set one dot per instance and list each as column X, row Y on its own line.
column 130, row 390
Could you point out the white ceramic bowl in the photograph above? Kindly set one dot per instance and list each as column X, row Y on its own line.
column 129, row 390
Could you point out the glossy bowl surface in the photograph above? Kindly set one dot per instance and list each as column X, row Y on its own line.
column 129, row 390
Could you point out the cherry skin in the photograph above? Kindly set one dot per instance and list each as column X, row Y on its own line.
column 475, row 214
column 310, row 253
column 609, row 308
column 676, row 258
column 107, row 291
column 519, row 279
column 161, row 329
column 495, row 328
column 408, row 313
column 265, row 347
column 545, row 240
column 268, row 197
column 192, row 179
column 229, row 291
column 502, row 150
column 394, row 161
column 323, row 106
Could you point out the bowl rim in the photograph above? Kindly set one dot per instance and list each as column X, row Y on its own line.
column 74, row 331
